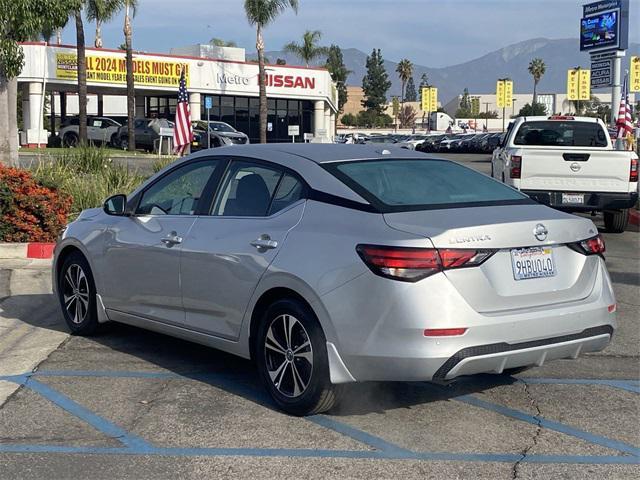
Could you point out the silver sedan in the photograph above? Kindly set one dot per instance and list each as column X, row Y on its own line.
column 330, row 264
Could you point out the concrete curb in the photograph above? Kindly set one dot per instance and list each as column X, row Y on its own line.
column 26, row 250
column 634, row 217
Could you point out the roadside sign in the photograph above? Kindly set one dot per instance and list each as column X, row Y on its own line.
column 504, row 93
column 634, row 74
column 294, row 130
column 601, row 73
column 429, row 99
column 208, row 102
column 578, row 84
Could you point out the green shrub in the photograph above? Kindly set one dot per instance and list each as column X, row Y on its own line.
column 87, row 175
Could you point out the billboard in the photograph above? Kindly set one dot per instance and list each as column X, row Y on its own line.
column 605, row 25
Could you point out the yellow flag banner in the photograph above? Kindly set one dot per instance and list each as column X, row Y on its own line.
column 504, row 93
column 634, row 74
column 429, row 99
column 103, row 69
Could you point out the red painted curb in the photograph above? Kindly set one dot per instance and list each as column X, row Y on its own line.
column 40, row 250
column 634, row 217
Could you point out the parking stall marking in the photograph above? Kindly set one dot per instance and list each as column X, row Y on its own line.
column 134, row 445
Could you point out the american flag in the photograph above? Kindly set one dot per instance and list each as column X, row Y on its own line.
column 183, row 131
column 624, row 122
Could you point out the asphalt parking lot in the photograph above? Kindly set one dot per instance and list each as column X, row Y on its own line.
column 135, row 404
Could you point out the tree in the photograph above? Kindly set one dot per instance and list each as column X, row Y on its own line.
column 375, row 83
column 339, row 73
column 537, row 69
column 82, row 75
column 532, row 110
column 129, row 11
column 489, row 114
column 407, row 116
column 261, row 13
column 410, row 95
column 464, row 109
column 20, row 20
column 424, row 82
column 219, row 42
column 373, row 119
column 404, row 71
column 101, row 11
column 308, row 50
column 395, row 109
column 348, row 120
column 281, row 61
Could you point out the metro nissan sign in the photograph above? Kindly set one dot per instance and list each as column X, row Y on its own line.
column 290, row 81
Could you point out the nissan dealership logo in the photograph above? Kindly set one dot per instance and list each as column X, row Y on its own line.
column 227, row 79
column 540, row 232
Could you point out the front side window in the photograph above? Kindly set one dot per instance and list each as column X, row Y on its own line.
column 247, row 190
column 412, row 184
column 178, row 192
column 569, row 133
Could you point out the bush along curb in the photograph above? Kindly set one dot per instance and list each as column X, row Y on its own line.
column 26, row 250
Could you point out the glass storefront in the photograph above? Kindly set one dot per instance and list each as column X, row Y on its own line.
column 243, row 114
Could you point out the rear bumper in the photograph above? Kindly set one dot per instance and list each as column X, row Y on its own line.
column 592, row 200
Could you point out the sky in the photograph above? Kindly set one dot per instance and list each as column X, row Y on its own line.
column 435, row 33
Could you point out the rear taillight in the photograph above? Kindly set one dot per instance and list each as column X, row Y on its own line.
column 413, row 264
column 590, row 246
column 633, row 170
column 444, row 332
column 516, row 166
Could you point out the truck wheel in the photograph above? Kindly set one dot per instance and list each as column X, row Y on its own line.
column 70, row 140
column 616, row 221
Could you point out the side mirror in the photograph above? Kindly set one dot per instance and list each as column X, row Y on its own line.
column 116, row 205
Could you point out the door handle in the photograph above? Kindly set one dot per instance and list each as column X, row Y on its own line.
column 171, row 239
column 264, row 242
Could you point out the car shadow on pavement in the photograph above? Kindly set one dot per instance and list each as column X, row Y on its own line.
column 116, row 344
column 37, row 310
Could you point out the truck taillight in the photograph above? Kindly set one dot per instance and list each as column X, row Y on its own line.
column 516, row 166
column 633, row 171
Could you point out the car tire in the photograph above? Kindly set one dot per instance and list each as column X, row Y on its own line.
column 294, row 368
column 113, row 141
column 616, row 221
column 70, row 140
column 77, row 295
column 124, row 143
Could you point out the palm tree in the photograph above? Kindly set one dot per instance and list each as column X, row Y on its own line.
column 102, row 11
column 129, row 11
column 537, row 69
column 82, row 76
column 260, row 13
column 219, row 42
column 404, row 71
column 308, row 50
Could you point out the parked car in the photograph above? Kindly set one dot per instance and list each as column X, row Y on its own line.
column 222, row 129
column 429, row 145
column 330, row 264
column 490, row 143
column 569, row 163
column 99, row 130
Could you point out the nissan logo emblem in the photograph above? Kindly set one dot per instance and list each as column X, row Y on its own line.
column 575, row 167
column 540, row 232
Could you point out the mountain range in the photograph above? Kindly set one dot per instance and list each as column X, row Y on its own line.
column 480, row 75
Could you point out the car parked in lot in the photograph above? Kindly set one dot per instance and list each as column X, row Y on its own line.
column 569, row 163
column 99, row 131
column 147, row 132
column 330, row 264
column 223, row 130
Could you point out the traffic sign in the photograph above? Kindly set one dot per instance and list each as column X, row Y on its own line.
column 208, row 102
column 504, row 93
column 601, row 73
column 634, row 74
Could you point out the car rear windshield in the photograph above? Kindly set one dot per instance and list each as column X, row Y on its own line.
column 396, row 185
column 561, row 134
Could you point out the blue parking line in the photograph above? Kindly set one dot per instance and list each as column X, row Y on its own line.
column 627, row 385
column 551, row 425
column 102, row 425
column 309, row 453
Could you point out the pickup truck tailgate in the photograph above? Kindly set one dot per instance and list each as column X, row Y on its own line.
column 575, row 170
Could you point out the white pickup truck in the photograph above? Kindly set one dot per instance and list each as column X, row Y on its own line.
column 569, row 163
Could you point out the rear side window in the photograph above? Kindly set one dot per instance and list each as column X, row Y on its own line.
column 561, row 134
column 402, row 185
column 290, row 190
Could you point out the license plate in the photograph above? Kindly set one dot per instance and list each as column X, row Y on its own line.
column 195, row 144
column 533, row 262
column 573, row 198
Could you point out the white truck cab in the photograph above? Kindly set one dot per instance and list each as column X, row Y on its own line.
column 569, row 163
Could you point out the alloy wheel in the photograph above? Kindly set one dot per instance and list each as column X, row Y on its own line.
column 76, row 293
column 289, row 355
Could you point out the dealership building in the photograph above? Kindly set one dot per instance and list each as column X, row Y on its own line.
column 297, row 96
